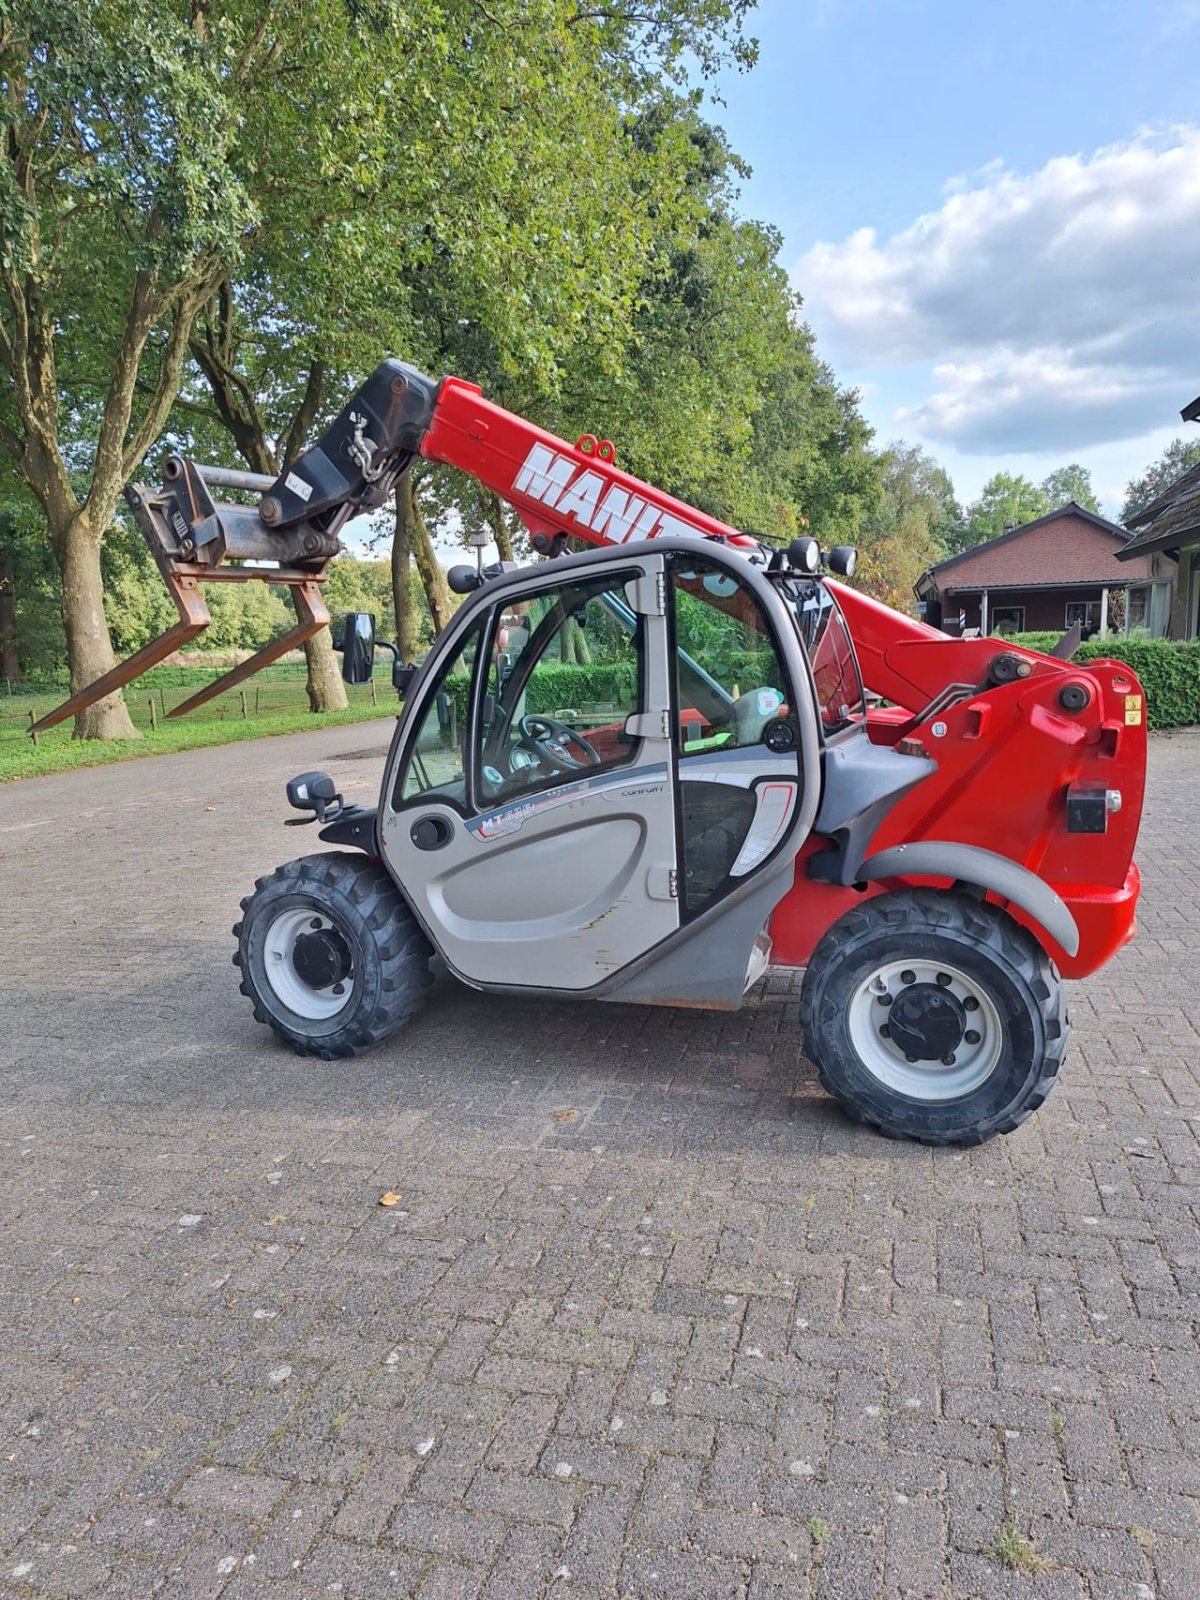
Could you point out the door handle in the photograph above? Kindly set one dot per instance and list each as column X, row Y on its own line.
column 431, row 833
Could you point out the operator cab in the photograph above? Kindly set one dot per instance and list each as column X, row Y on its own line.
column 608, row 763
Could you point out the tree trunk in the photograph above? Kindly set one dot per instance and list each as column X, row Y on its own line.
column 10, row 665
column 500, row 528
column 326, row 690
column 402, row 546
column 437, row 590
column 89, row 648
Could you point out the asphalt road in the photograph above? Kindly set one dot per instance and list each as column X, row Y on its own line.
column 649, row 1318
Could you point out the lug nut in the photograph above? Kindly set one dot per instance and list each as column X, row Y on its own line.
column 885, row 1032
column 970, row 1003
column 971, row 1036
column 884, row 999
column 908, row 976
column 944, row 979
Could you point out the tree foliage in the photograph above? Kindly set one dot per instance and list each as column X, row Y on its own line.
column 1071, row 483
column 1004, row 502
column 914, row 522
column 1180, row 456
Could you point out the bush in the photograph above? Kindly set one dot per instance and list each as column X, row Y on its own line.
column 1044, row 642
column 1169, row 671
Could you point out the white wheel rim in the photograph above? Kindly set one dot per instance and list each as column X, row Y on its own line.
column 279, row 944
column 974, row 1058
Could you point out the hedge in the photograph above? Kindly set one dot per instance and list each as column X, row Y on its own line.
column 1169, row 671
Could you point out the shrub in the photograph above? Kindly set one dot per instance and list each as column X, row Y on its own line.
column 1169, row 670
column 1169, row 673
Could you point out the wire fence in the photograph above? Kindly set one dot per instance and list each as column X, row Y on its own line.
column 277, row 690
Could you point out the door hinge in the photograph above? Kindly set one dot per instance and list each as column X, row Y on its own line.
column 649, row 724
column 662, row 883
column 647, row 593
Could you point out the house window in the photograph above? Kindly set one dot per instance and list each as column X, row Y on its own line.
column 1086, row 613
column 1008, row 619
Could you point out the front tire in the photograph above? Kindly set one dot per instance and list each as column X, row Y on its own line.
column 934, row 1016
column 330, row 955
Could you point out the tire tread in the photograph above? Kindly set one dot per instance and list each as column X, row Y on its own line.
column 402, row 948
column 984, row 925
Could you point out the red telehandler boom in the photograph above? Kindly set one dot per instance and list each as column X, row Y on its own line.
column 938, row 830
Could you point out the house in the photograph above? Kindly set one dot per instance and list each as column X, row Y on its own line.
column 1043, row 576
column 1167, row 537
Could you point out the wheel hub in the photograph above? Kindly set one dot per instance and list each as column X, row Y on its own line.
column 925, row 1028
column 308, row 963
column 321, row 957
column 927, row 1021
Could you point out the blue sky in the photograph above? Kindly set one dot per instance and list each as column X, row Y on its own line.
column 993, row 214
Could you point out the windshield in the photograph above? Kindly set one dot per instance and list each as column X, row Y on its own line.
column 834, row 665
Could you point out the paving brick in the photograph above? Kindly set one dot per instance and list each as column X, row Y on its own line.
column 593, row 1550
column 669, row 1502
column 467, row 1535
column 671, row 1338
column 672, row 1575
column 525, row 1499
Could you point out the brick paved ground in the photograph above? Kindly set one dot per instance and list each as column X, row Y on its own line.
column 701, row 1339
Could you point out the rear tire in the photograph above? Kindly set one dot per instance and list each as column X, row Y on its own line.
column 978, row 1026
column 330, row 955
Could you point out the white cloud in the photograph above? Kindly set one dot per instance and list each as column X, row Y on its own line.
column 1057, row 308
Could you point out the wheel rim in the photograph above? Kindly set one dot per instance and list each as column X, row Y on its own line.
column 308, row 963
column 925, row 1029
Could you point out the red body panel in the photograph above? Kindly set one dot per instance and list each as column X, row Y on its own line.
column 1006, row 755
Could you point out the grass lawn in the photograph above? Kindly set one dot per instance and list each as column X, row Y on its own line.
column 274, row 702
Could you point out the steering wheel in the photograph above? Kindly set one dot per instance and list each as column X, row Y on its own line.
column 547, row 739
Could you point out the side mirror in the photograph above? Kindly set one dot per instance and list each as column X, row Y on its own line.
column 358, row 647
column 315, row 792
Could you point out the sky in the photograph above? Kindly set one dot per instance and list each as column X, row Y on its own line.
column 992, row 212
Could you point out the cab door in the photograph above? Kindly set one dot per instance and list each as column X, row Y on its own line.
column 532, row 826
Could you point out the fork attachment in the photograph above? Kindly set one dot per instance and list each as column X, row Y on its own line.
column 289, row 537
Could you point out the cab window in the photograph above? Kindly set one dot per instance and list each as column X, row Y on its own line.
column 565, row 673
column 836, row 677
column 434, row 768
column 729, row 677
column 732, row 693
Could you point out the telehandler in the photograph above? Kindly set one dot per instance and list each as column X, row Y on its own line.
column 789, row 774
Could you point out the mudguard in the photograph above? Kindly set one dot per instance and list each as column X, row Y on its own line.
column 967, row 863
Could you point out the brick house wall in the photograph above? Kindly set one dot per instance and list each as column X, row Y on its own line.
column 1065, row 558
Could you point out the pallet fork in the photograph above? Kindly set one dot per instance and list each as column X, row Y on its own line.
column 289, row 538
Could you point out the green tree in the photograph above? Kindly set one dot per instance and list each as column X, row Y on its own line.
column 1180, row 456
column 1004, row 502
column 157, row 149
column 1071, row 483
column 117, row 204
column 914, row 522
